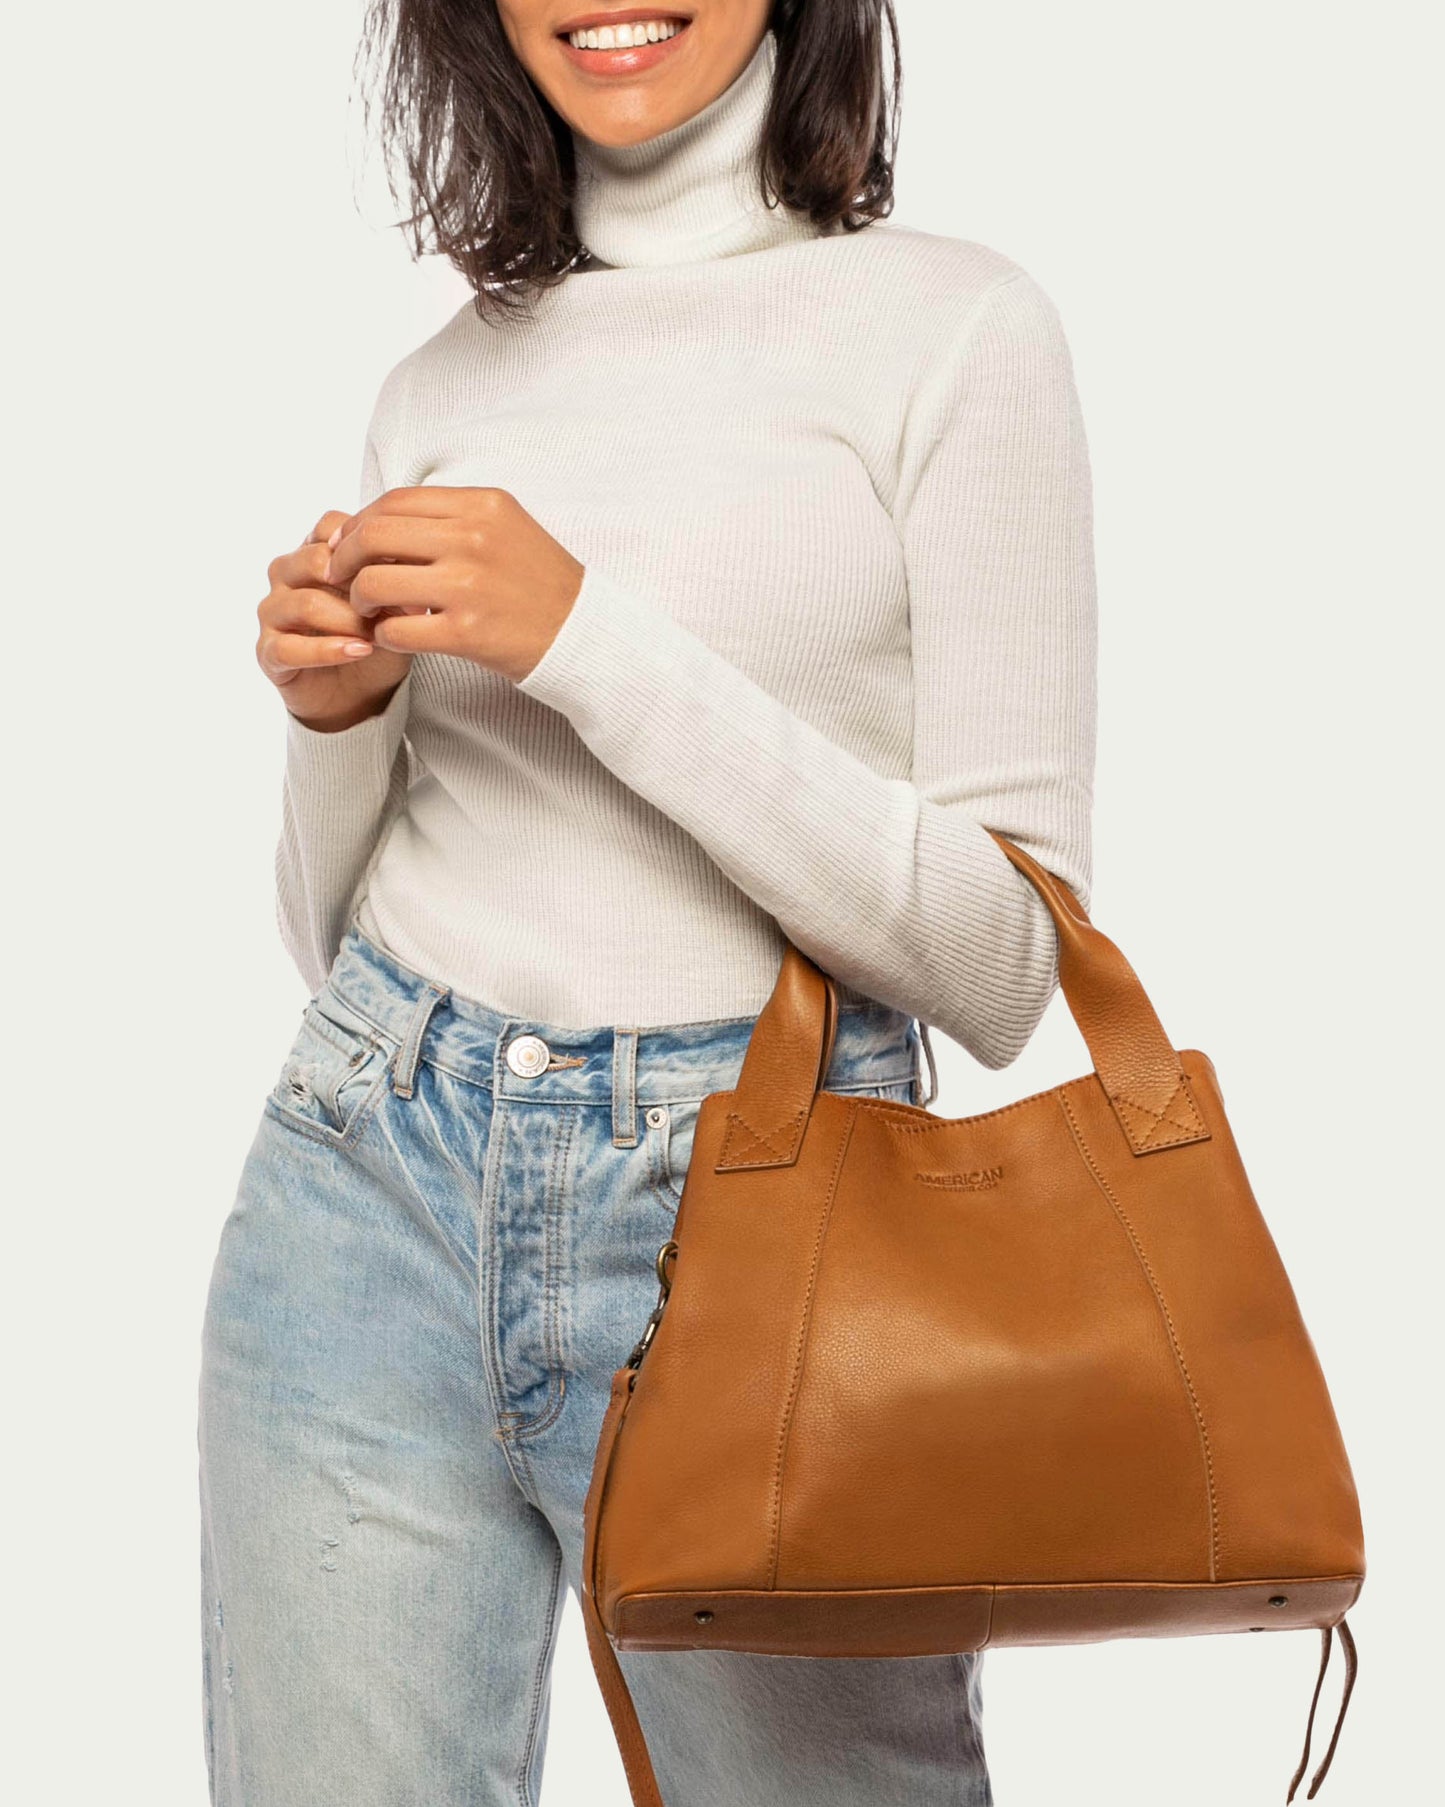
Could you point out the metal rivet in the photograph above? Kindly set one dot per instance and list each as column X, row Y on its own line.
column 704, row 1617
column 656, row 1115
column 1279, row 1599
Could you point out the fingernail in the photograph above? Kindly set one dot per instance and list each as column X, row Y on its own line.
column 356, row 649
column 336, row 535
column 326, row 574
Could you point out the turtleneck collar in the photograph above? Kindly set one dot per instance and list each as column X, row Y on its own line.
column 688, row 193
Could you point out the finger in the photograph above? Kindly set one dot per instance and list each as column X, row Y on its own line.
column 304, row 565
column 311, row 612
column 431, row 501
column 326, row 526
column 377, row 587
column 411, row 633
column 283, row 655
column 372, row 538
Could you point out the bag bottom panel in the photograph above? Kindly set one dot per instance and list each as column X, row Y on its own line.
column 936, row 1621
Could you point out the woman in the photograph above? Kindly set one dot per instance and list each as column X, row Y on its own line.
column 723, row 572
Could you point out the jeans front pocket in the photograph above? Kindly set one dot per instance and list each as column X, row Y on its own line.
column 670, row 1130
column 333, row 1073
column 898, row 1090
column 901, row 1091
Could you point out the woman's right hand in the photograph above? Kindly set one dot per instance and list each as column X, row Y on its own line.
column 315, row 648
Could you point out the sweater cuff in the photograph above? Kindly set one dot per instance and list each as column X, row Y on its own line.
column 609, row 636
column 351, row 761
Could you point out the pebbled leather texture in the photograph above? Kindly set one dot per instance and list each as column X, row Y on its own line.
column 928, row 1384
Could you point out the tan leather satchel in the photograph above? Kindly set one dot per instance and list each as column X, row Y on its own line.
column 918, row 1384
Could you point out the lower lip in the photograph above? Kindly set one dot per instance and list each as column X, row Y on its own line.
column 631, row 60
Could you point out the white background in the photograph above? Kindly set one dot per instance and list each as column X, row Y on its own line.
column 1232, row 208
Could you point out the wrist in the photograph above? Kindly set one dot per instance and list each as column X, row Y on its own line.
column 339, row 721
column 545, row 624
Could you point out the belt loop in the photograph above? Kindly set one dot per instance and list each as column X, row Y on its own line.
column 927, row 1042
column 403, row 1079
column 624, row 1088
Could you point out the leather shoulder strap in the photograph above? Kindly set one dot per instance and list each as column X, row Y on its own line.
column 628, row 1731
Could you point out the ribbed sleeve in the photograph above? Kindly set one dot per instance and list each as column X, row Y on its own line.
column 340, row 791
column 892, row 884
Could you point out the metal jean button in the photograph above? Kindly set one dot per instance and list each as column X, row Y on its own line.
column 528, row 1055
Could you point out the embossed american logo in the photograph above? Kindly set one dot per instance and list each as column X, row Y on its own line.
column 975, row 1179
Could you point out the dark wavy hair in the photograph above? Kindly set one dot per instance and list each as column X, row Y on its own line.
column 488, row 162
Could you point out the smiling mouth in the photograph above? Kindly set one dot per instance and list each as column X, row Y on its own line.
column 608, row 36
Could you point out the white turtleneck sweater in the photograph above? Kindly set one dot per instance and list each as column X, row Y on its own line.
column 838, row 617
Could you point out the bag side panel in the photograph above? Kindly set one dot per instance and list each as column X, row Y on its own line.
column 1286, row 1499
column 692, row 1494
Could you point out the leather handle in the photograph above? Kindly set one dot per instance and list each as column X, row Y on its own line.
column 784, row 1067
column 1134, row 1059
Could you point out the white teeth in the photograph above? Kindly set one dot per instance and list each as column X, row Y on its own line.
column 624, row 37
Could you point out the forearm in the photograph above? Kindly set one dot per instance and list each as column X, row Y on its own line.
column 894, row 890
column 340, row 792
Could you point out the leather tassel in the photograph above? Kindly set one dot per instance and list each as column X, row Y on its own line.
column 1347, row 1644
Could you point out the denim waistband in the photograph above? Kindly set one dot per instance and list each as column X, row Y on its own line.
column 875, row 1044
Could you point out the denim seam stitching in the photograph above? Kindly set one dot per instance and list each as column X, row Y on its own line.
column 408, row 1055
column 551, row 1411
column 552, row 1288
column 966, row 1663
column 524, row 1787
column 543, row 1420
column 485, row 1085
column 440, row 1066
column 665, row 1199
column 490, row 1329
column 365, row 1015
column 318, row 1132
column 660, row 1176
column 668, row 1200
column 343, row 1040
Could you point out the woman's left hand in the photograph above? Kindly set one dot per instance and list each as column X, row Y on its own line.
column 461, row 571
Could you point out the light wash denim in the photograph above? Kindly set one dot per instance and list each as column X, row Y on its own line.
column 433, row 1265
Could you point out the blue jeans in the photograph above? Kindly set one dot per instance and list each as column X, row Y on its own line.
column 441, row 1247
